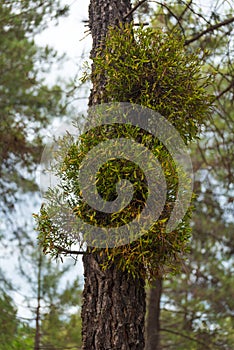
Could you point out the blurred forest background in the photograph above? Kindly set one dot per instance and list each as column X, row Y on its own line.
column 40, row 299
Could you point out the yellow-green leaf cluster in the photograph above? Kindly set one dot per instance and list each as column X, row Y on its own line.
column 153, row 69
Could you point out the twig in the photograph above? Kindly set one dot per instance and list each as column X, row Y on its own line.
column 230, row 86
column 199, row 15
column 208, row 30
column 171, row 13
column 67, row 251
column 141, row 24
column 134, row 9
column 185, row 336
column 183, row 12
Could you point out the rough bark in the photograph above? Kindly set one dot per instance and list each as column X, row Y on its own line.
column 102, row 15
column 153, row 316
column 113, row 309
column 113, row 301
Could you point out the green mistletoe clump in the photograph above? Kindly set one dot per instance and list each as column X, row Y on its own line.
column 151, row 68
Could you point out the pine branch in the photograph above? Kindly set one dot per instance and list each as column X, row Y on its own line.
column 209, row 30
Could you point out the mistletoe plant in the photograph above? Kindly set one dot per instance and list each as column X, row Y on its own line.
column 150, row 68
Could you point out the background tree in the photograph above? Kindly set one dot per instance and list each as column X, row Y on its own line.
column 53, row 302
column 8, row 321
column 27, row 103
column 15, row 333
column 188, row 301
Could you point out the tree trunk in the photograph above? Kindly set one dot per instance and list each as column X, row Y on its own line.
column 113, row 309
column 38, row 309
column 153, row 316
column 102, row 15
column 113, row 301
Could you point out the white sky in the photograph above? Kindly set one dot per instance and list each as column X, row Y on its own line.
column 69, row 36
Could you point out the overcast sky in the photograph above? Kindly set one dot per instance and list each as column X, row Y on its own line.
column 69, row 36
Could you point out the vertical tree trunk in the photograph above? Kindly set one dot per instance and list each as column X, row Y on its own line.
column 153, row 316
column 113, row 301
column 113, row 309
column 103, row 14
column 37, row 331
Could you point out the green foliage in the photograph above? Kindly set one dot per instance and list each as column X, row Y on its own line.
column 61, row 333
column 14, row 334
column 24, row 340
column 26, row 102
column 8, row 321
column 153, row 69
column 60, row 319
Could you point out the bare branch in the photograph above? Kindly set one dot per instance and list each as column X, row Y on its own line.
column 228, row 88
column 185, row 336
column 208, row 30
column 198, row 14
column 68, row 251
column 171, row 13
column 179, row 19
column 134, row 8
column 185, row 10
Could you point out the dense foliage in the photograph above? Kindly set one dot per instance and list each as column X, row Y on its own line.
column 153, row 69
column 8, row 321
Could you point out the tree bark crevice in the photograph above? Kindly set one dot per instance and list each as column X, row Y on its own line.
column 111, row 319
